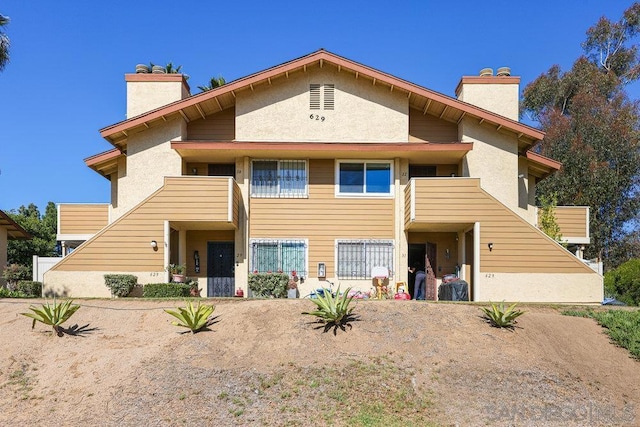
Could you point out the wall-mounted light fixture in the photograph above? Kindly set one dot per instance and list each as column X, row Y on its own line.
column 154, row 244
column 322, row 270
column 490, row 246
column 196, row 261
column 194, row 171
column 447, row 253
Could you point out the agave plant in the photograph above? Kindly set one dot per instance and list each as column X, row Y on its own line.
column 333, row 310
column 502, row 317
column 53, row 314
column 193, row 317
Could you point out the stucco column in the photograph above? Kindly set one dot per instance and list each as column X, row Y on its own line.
column 402, row 246
column 182, row 246
column 242, row 233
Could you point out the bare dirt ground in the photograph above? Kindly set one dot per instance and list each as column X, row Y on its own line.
column 263, row 363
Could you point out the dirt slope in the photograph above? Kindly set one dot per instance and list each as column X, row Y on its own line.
column 135, row 368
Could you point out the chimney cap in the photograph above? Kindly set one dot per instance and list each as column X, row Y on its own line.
column 486, row 72
column 504, row 71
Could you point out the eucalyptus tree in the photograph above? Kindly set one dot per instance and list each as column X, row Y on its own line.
column 4, row 42
column 592, row 127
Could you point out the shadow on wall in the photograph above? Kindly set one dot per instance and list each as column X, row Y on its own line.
column 49, row 293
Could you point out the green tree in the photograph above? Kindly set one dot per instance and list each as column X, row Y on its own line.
column 43, row 228
column 4, row 43
column 214, row 82
column 592, row 128
column 548, row 223
column 623, row 282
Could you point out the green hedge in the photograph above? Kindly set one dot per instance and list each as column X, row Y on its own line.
column 120, row 284
column 269, row 285
column 29, row 288
column 623, row 283
column 6, row 293
column 166, row 290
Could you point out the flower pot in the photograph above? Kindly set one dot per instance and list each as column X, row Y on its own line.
column 142, row 69
column 178, row 278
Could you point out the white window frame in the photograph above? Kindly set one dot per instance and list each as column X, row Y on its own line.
column 280, row 241
column 368, row 276
column 338, row 193
column 280, row 194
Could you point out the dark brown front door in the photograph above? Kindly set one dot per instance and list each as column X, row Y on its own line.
column 220, row 269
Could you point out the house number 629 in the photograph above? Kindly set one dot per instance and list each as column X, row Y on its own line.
column 316, row 117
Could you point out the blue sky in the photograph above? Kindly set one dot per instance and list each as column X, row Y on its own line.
column 65, row 80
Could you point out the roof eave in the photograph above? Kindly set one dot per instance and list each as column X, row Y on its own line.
column 14, row 230
column 119, row 130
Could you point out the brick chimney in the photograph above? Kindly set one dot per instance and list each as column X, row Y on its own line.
column 148, row 91
column 499, row 94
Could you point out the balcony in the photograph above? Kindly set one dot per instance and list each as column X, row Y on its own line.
column 81, row 219
column 195, row 201
column 574, row 224
column 443, row 204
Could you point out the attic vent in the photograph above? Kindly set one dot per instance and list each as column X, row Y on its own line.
column 314, row 92
column 329, row 96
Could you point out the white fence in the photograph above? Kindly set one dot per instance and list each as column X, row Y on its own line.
column 41, row 265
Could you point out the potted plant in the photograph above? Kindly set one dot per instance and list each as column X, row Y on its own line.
column 177, row 272
column 194, row 290
column 292, row 288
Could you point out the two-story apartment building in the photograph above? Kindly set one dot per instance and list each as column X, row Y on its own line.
column 330, row 168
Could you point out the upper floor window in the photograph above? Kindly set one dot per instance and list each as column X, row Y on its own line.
column 369, row 178
column 279, row 178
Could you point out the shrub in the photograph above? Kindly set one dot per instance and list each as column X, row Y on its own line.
column 13, row 273
column 192, row 317
column 6, row 293
column 623, row 283
column 166, row 290
column 333, row 310
column 500, row 317
column 120, row 284
column 54, row 315
column 269, row 285
column 29, row 288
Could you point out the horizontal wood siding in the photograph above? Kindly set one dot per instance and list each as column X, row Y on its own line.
column 125, row 244
column 82, row 219
column 428, row 128
column 322, row 217
column 518, row 247
column 573, row 221
column 216, row 127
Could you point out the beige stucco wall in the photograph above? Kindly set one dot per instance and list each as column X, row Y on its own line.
column 540, row 287
column 494, row 159
column 85, row 284
column 146, row 96
column 499, row 98
column 3, row 253
column 363, row 112
column 149, row 159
